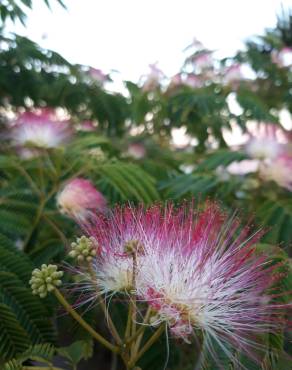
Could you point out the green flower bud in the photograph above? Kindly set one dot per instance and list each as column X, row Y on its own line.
column 97, row 154
column 45, row 280
column 84, row 249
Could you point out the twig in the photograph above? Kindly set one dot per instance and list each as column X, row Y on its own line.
column 83, row 323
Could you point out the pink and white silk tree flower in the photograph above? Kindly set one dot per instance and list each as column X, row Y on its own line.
column 80, row 200
column 40, row 129
column 278, row 170
column 233, row 75
column 136, row 150
column 193, row 81
column 153, row 79
column 202, row 60
column 283, row 57
column 195, row 270
column 87, row 126
column 98, row 75
column 175, row 81
column 264, row 142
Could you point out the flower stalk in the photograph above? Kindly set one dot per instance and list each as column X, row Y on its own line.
column 147, row 345
column 83, row 323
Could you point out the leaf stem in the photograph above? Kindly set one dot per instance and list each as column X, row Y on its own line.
column 141, row 332
column 147, row 345
column 28, row 178
column 35, row 222
column 129, row 321
column 83, row 323
column 133, row 302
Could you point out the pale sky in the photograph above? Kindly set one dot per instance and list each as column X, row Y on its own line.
column 127, row 35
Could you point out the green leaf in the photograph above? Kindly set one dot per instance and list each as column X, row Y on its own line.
column 46, row 252
column 130, row 181
column 14, row 261
column 28, row 309
column 219, row 158
column 194, row 184
column 77, row 351
column 13, row 338
column 42, row 353
column 280, row 210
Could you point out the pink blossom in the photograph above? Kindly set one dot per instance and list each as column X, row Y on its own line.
column 98, row 75
column 282, row 58
column 266, row 141
column 278, row 170
column 203, row 60
column 88, row 126
column 233, row 74
column 40, row 129
column 137, row 150
column 196, row 44
column 153, row 79
column 80, row 200
column 196, row 270
column 176, row 80
column 193, row 81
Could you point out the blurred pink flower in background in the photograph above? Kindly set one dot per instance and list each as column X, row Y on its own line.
column 40, row 129
column 98, row 75
column 87, row 126
column 278, row 170
column 233, row 75
column 176, row 80
column 265, row 141
column 79, row 199
column 196, row 44
column 202, row 60
column 136, row 150
column 193, row 81
column 243, row 167
column 283, row 57
column 153, row 78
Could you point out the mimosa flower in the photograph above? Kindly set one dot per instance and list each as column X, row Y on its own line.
column 193, row 81
column 87, row 126
column 39, row 130
column 196, row 270
column 283, row 57
column 153, row 79
column 136, row 150
column 264, row 143
column 80, row 199
column 279, row 170
column 98, row 75
column 203, row 60
column 233, row 75
column 176, row 80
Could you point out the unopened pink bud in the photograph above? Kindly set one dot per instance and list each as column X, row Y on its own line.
column 80, row 199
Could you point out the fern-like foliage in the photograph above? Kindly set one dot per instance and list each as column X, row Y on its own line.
column 14, row 261
column 13, row 337
column 42, row 353
column 280, row 210
column 128, row 182
column 24, row 319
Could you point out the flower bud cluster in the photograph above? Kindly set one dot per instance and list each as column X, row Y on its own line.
column 45, row 280
column 84, row 249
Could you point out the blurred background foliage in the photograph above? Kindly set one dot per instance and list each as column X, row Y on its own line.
column 130, row 153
